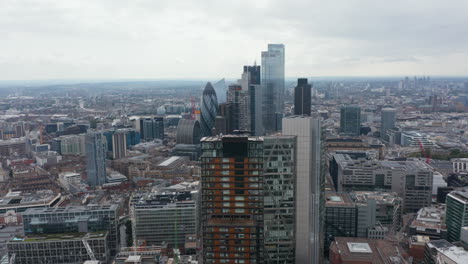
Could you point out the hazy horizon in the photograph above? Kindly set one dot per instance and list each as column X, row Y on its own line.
column 50, row 40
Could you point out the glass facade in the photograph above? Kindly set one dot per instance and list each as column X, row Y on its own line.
column 350, row 120
column 96, row 150
column 209, row 110
column 279, row 200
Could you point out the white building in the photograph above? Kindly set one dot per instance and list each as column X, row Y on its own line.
column 460, row 165
column 309, row 187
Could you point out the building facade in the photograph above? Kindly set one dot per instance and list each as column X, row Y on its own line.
column 152, row 128
column 232, row 199
column 387, row 121
column 350, row 120
column 279, row 174
column 310, row 201
column 302, row 97
column 96, row 149
column 273, row 85
column 456, row 214
column 209, row 110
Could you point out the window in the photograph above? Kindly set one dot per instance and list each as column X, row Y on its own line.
column 240, row 211
column 239, row 198
column 240, row 204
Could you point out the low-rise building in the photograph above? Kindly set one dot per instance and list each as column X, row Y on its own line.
column 430, row 221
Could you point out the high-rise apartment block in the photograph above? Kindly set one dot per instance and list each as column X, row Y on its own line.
column 273, row 86
column 456, row 214
column 96, row 149
column 310, row 187
column 279, row 173
column 350, row 120
column 232, row 199
column 302, row 97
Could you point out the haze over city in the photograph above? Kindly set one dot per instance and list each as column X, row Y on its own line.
column 114, row 39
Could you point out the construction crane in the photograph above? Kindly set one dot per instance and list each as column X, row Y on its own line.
column 423, row 152
column 89, row 250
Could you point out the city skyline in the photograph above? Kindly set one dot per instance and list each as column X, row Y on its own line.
column 104, row 40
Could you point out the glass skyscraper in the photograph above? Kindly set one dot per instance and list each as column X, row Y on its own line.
column 209, row 110
column 272, row 85
column 350, row 120
column 96, row 149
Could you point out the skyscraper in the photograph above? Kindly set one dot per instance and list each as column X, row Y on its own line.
column 239, row 99
column 119, row 145
column 310, row 187
column 209, row 109
column 302, row 97
column 232, row 199
column 456, row 214
column 388, row 121
column 279, row 174
column 272, row 85
column 251, row 83
column 220, row 89
column 152, row 128
column 350, row 120
column 96, row 148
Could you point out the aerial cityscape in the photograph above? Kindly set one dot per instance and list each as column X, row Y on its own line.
column 263, row 164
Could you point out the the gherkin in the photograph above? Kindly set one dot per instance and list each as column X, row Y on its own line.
column 209, row 109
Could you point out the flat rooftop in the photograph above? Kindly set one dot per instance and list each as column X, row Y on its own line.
column 379, row 197
column 337, row 199
column 70, row 209
column 59, row 236
column 20, row 199
column 460, row 195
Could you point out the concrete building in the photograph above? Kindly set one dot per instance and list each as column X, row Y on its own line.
column 240, row 100
column 430, row 221
column 22, row 201
column 376, row 208
column 416, row 139
column 59, row 248
column 273, row 85
column 412, row 180
column 279, row 173
column 74, row 219
column 441, row 251
column 350, row 120
column 71, row 145
column 456, row 214
column 232, row 199
column 67, row 179
column 460, row 165
column 165, row 216
column 310, row 203
column 119, row 145
column 96, row 150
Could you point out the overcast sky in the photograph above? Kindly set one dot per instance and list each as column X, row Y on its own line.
column 63, row 39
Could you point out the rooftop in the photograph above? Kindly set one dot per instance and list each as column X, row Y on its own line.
column 20, row 199
column 59, row 236
column 379, row 197
column 337, row 199
column 454, row 253
column 70, row 209
column 460, row 195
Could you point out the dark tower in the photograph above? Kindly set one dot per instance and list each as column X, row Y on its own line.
column 302, row 97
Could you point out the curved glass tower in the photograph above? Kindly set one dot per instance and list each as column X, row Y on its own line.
column 209, row 109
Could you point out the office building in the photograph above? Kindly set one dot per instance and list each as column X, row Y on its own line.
column 70, row 145
column 96, row 149
column 220, row 89
column 165, row 216
column 340, row 217
column 430, row 222
column 240, row 100
column 225, row 120
column 67, row 248
column 152, row 128
column 441, row 251
column 387, row 121
column 456, row 214
column 279, row 173
column 188, row 132
column 74, row 219
column 251, row 82
column 302, row 97
column 412, row 179
column 415, row 139
column 232, row 199
column 119, row 145
column 209, row 110
column 310, row 182
column 376, row 209
column 133, row 137
column 350, row 120
column 460, row 165
column 273, row 86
